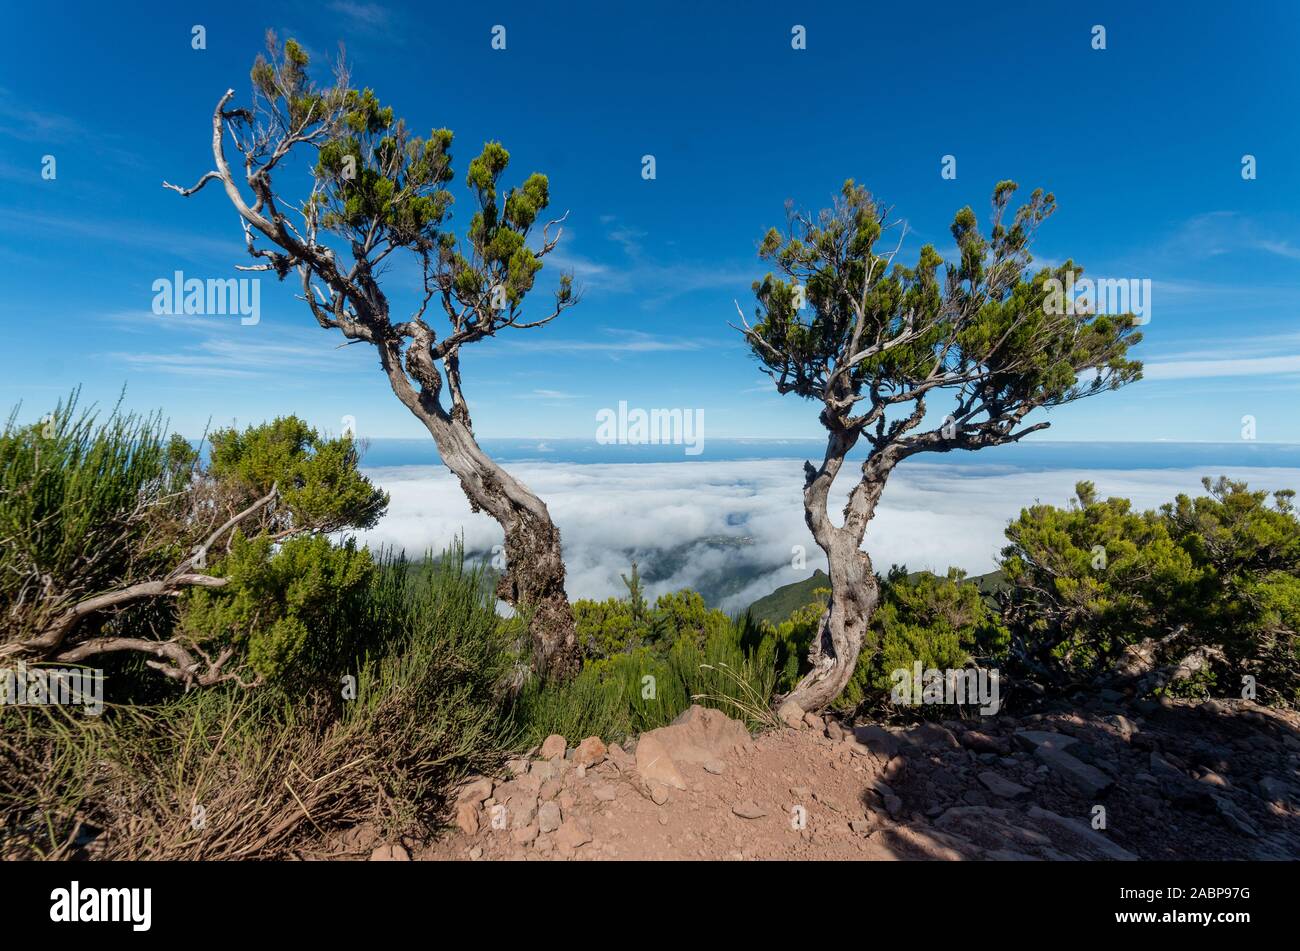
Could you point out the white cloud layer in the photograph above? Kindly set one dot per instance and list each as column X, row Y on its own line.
column 730, row 527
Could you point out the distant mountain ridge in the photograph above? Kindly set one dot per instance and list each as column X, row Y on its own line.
column 778, row 605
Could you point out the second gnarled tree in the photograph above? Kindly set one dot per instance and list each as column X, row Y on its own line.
column 377, row 190
column 875, row 344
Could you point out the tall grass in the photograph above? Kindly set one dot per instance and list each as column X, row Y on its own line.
column 72, row 489
column 733, row 669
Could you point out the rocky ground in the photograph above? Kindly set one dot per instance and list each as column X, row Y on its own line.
column 1101, row 780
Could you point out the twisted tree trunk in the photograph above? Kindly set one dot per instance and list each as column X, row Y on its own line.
column 855, row 593
column 843, row 627
column 533, row 581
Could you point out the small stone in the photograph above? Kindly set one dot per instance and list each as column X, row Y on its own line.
column 572, row 835
column 554, row 746
column 1274, row 790
column 931, row 736
column 655, row 765
column 523, row 812
column 748, row 810
column 605, row 792
column 658, row 792
column 467, row 818
column 791, row 714
column 475, row 791
column 390, row 853
column 591, row 752
column 877, row 739
column 714, row 766
column 999, row 785
column 984, row 743
column 1233, row 817
column 476, row 853
column 525, row 834
column 1211, row 778
column 813, row 721
column 1161, row 768
column 1125, row 727
column 1080, row 830
column 548, row 817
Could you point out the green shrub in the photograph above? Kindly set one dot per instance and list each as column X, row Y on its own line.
column 118, row 539
column 292, row 611
column 617, row 625
column 1215, row 577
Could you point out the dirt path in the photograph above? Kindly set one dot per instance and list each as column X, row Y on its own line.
column 1181, row 781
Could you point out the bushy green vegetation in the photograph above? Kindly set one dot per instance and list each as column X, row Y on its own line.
column 646, row 664
column 1207, row 589
column 114, row 546
column 943, row 622
column 615, row 697
column 230, row 773
column 1189, row 599
column 72, row 495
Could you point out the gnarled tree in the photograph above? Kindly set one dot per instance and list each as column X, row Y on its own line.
column 379, row 190
column 876, row 344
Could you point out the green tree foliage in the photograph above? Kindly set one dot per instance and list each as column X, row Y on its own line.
column 320, row 487
column 615, row 625
column 886, row 351
column 1207, row 589
column 635, row 594
column 733, row 668
column 647, row 663
column 291, row 594
column 888, row 336
column 943, row 622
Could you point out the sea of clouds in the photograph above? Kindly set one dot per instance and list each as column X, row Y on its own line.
column 730, row 529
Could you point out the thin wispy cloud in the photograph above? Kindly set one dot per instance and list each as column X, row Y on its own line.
column 189, row 245
column 1239, row 366
column 25, row 122
column 1220, row 233
column 617, row 341
column 368, row 16
column 222, row 348
column 637, row 270
column 556, row 395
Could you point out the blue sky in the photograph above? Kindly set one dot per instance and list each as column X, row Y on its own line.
column 1142, row 144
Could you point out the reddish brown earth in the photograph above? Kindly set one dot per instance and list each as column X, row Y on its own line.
column 1216, row 780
